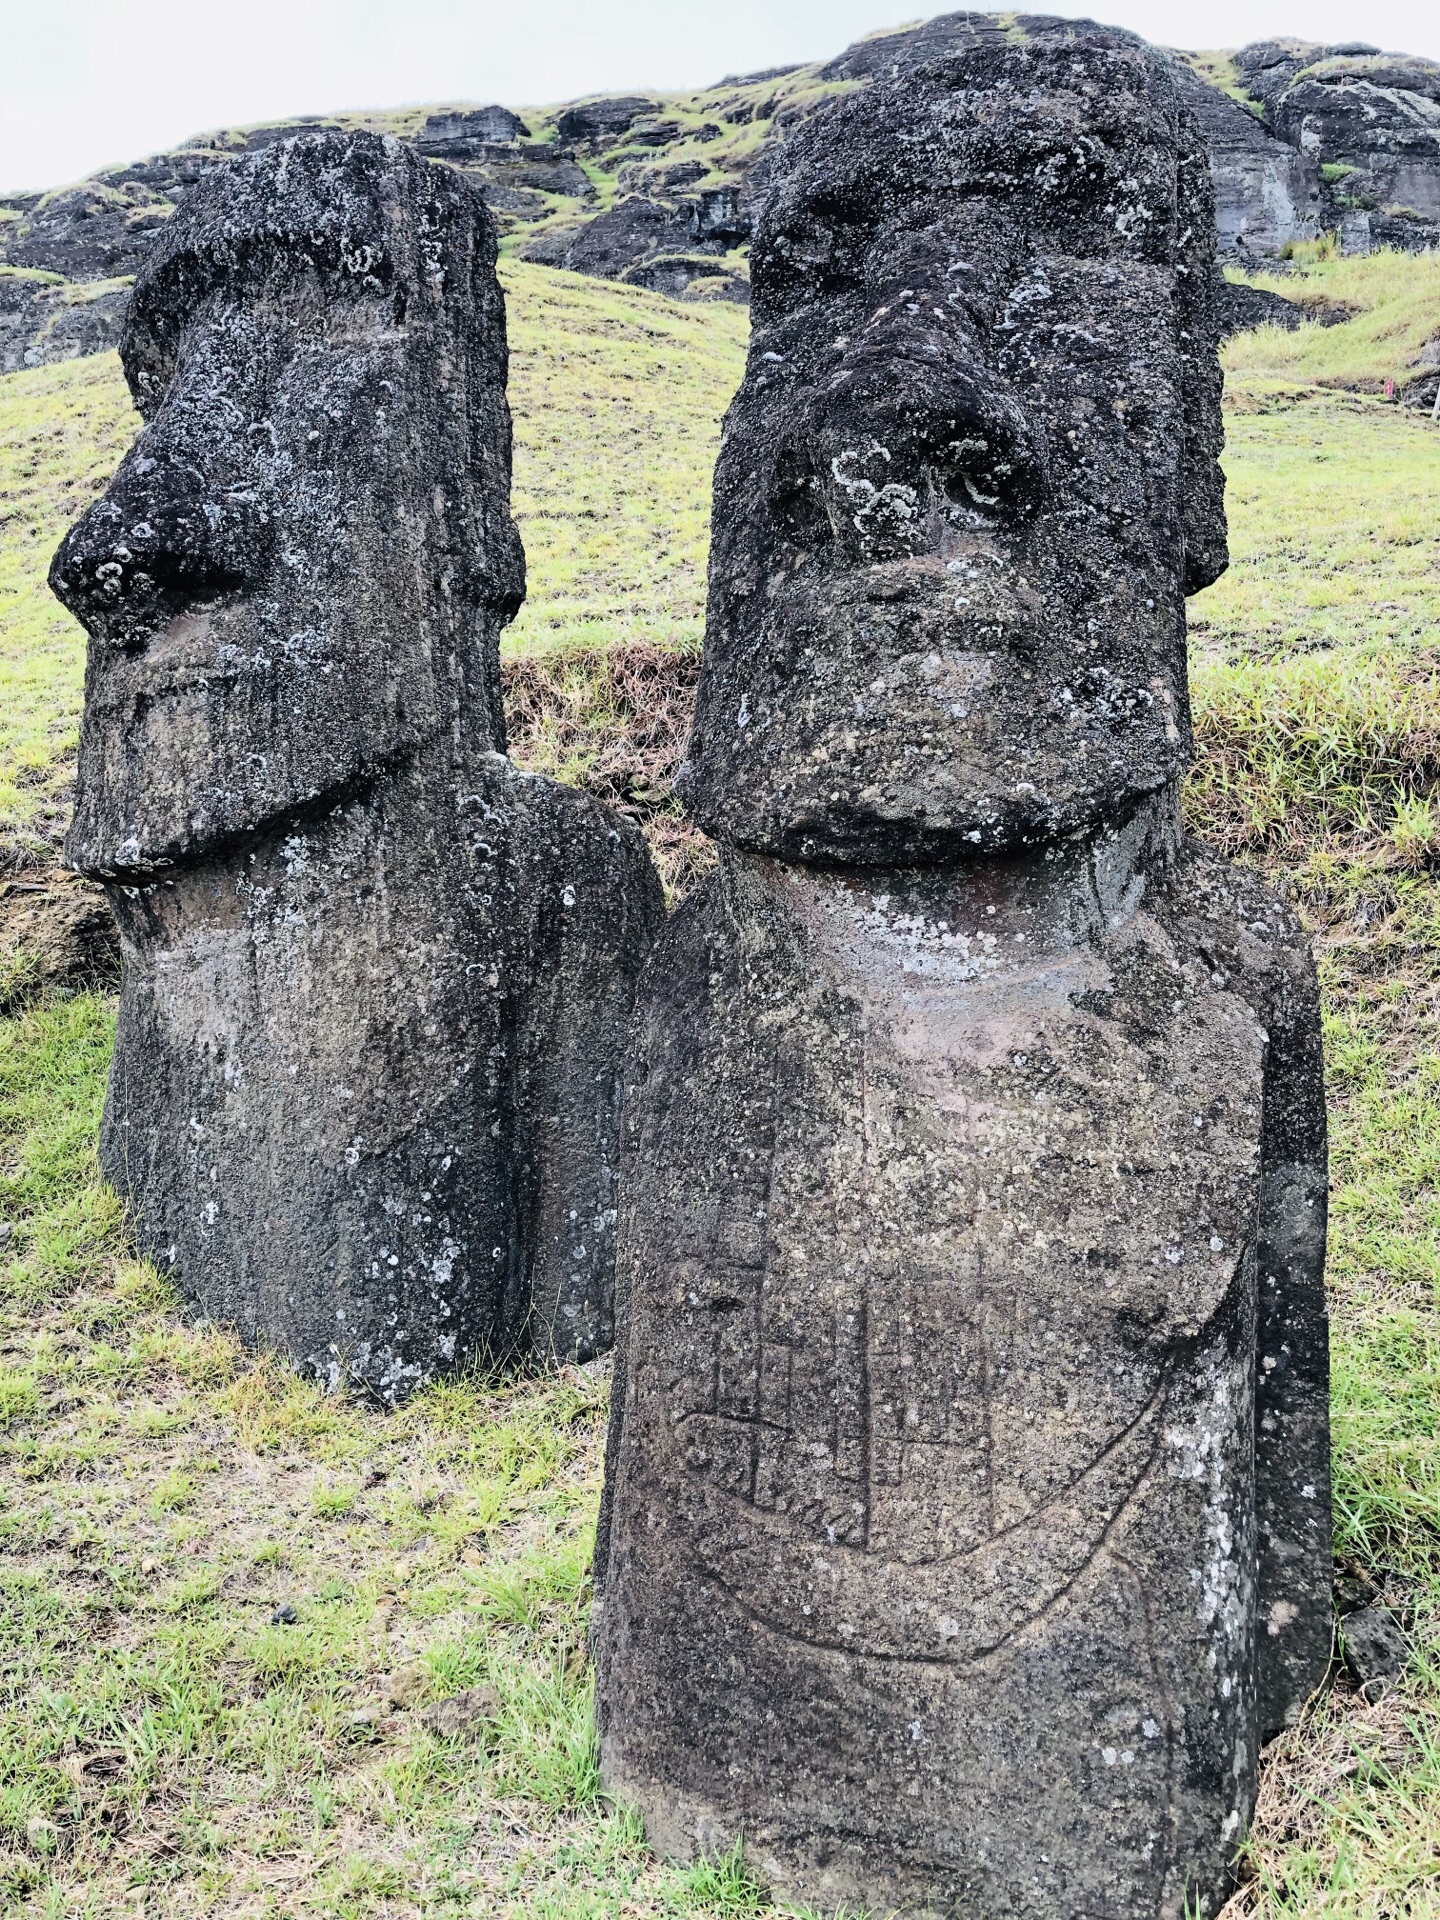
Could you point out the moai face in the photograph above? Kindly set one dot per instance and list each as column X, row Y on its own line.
column 972, row 471
column 300, row 570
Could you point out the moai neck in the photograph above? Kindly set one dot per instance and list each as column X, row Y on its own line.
column 926, row 934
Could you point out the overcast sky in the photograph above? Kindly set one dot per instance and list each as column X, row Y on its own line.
column 87, row 82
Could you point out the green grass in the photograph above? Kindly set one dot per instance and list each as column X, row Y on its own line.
column 161, row 1497
column 164, row 1747
column 617, row 396
column 1397, row 296
column 62, row 430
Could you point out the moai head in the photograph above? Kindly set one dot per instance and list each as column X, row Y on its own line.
column 972, row 470
column 300, row 570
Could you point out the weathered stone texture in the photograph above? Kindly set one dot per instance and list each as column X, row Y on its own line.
column 1371, row 119
column 968, row 478
column 41, row 322
column 376, row 979
column 933, row 1554
column 1267, row 194
column 967, row 1504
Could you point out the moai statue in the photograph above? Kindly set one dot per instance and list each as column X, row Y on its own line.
column 364, row 1104
column 967, row 1513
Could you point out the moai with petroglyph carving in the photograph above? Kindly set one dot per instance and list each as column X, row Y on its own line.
column 967, row 1511
column 364, row 1103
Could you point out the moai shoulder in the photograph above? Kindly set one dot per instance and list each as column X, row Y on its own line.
column 361, row 949
column 966, row 1522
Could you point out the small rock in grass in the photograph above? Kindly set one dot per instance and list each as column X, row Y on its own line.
column 41, row 1834
column 1354, row 1589
column 284, row 1616
column 406, row 1684
column 463, row 1715
column 1375, row 1650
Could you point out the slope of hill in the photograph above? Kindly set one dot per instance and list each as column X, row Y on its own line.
column 172, row 1742
column 659, row 190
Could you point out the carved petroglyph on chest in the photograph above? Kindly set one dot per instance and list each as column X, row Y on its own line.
column 909, row 1443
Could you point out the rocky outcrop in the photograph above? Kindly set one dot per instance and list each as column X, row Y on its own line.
column 43, row 319
column 966, row 1520
column 1267, row 194
column 1370, row 121
column 468, row 133
column 376, row 979
column 651, row 245
column 1336, row 137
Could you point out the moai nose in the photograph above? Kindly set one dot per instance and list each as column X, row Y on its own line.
column 901, row 442
column 163, row 539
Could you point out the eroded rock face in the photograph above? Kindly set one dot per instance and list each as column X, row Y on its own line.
column 363, row 1102
column 971, row 471
column 1267, row 194
column 1371, row 120
column 967, row 1505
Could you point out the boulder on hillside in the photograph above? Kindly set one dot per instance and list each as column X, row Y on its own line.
column 461, row 134
column 718, row 215
column 56, row 935
column 602, row 119
column 1239, row 308
column 614, row 241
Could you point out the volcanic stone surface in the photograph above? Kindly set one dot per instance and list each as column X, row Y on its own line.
column 1371, row 120
column 968, row 479
column 376, row 979
column 966, row 1521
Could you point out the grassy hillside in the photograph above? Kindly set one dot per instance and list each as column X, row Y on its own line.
column 168, row 1746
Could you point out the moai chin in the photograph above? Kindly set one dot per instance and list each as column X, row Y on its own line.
column 967, row 1511
column 365, row 1093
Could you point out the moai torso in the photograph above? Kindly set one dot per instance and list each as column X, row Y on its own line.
column 365, row 1094
column 967, row 1205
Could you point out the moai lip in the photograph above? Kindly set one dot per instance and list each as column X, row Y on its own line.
column 966, row 1523
column 970, row 473
column 376, row 979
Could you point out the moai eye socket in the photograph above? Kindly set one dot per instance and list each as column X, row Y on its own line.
column 990, row 469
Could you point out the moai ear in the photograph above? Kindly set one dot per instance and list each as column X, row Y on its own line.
column 1206, row 551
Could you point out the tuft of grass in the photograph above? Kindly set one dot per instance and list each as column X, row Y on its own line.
column 1396, row 301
